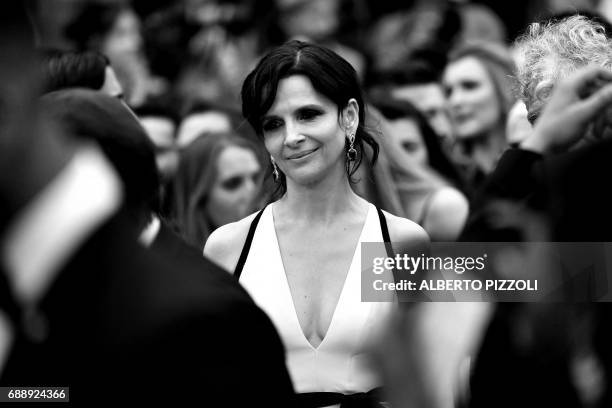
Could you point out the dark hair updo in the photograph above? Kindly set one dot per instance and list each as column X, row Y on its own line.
column 330, row 75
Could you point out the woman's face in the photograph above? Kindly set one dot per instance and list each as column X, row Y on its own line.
column 237, row 183
column 407, row 133
column 302, row 131
column 124, row 36
column 474, row 106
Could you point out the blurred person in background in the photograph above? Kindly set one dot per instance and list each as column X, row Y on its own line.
column 550, row 51
column 217, row 180
column 203, row 117
column 73, row 69
column 206, row 47
column 479, row 89
column 113, row 29
column 560, row 351
column 88, row 115
column 405, row 187
column 316, row 20
column 405, row 128
column 419, row 84
column 87, row 304
column 422, row 26
column 556, row 170
column 549, row 353
column 331, row 23
column 92, row 70
column 161, row 123
column 479, row 23
column 414, row 132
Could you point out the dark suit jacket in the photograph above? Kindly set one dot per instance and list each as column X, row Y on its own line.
column 127, row 324
column 571, row 190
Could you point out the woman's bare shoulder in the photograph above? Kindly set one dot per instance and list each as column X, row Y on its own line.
column 406, row 234
column 446, row 215
column 225, row 244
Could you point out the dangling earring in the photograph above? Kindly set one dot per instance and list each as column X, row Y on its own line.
column 275, row 173
column 351, row 153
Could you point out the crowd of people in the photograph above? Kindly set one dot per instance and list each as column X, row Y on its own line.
column 186, row 188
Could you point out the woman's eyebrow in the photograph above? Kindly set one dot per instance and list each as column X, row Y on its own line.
column 297, row 109
column 310, row 106
column 268, row 117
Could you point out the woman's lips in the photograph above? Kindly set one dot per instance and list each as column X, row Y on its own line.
column 462, row 117
column 303, row 154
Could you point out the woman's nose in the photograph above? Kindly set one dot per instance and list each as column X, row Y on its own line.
column 456, row 99
column 247, row 190
column 293, row 136
column 249, row 186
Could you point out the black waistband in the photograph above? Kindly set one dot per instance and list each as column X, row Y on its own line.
column 370, row 399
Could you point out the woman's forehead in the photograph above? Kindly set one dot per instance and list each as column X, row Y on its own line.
column 236, row 160
column 406, row 129
column 295, row 92
column 465, row 67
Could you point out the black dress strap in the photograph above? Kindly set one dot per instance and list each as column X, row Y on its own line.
column 385, row 232
column 388, row 247
column 249, row 239
column 247, row 245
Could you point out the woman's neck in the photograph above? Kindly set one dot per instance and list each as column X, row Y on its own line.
column 319, row 202
column 485, row 149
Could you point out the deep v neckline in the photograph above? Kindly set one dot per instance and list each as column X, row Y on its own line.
column 342, row 295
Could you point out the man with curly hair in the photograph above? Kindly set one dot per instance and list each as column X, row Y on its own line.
column 550, row 51
column 566, row 362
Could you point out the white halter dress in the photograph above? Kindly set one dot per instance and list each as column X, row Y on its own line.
column 340, row 363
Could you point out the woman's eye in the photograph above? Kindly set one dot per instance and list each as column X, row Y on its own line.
column 469, row 85
column 410, row 147
column 271, row 125
column 231, row 183
column 308, row 114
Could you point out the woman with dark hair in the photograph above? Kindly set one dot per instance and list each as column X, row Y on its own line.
column 301, row 256
column 425, row 183
column 417, row 137
column 216, row 182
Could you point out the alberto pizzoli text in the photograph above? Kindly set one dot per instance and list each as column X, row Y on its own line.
column 458, row 285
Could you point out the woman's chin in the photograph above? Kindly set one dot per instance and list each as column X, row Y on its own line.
column 313, row 173
column 306, row 177
column 467, row 133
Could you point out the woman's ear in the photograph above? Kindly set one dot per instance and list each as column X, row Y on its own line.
column 350, row 116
